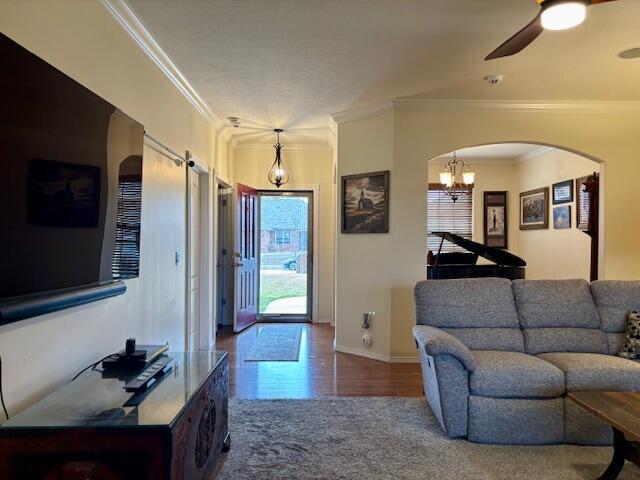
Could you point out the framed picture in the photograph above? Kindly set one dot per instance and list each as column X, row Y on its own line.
column 495, row 219
column 534, row 209
column 63, row 194
column 365, row 203
column 562, row 192
column 582, row 204
column 562, row 217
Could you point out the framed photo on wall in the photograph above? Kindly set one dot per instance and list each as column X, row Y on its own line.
column 365, row 203
column 562, row 217
column 562, row 192
column 495, row 219
column 534, row 209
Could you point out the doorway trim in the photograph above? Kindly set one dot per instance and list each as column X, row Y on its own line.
column 206, row 339
column 219, row 183
column 315, row 190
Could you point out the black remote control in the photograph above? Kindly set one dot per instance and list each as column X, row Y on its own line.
column 150, row 374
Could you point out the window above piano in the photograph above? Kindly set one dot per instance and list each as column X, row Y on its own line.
column 445, row 215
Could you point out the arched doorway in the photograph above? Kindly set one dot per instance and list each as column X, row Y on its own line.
column 529, row 199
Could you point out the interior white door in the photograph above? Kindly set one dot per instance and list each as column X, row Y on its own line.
column 194, row 261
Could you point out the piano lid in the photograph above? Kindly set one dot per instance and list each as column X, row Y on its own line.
column 500, row 257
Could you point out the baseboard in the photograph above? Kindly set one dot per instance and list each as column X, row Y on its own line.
column 375, row 356
column 404, row 360
column 362, row 353
column 323, row 320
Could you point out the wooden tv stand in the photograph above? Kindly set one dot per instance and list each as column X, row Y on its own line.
column 92, row 428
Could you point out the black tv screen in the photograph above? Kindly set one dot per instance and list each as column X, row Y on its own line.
column 70, row 181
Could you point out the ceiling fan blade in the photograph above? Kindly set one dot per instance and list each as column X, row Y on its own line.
column 519, row 41
column 595, row 2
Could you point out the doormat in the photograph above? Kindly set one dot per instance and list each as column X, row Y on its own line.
column 276, row 343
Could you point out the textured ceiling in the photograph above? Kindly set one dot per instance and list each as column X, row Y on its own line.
column 291, row 63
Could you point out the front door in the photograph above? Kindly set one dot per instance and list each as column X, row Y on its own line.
column 245, row 258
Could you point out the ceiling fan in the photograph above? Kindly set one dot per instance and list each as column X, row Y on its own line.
column 553, row 15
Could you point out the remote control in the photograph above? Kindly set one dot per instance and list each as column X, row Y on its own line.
column 150, row 374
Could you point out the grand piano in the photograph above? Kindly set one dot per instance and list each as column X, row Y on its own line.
column 464, row 265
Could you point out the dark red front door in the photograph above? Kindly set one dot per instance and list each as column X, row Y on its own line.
column 245, row 261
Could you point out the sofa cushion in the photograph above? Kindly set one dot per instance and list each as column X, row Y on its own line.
column 558, row 316
column 580, row 340
column 465, row 303
column 555, row 303
column 514, row 375
column 489, row 338
column 614, row 299
column 591, row 371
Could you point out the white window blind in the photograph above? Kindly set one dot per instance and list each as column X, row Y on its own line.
column 445, row 215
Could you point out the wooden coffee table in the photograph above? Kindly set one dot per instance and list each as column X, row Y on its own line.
column 621, row 410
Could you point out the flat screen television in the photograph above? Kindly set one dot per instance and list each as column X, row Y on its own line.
column 70, row 183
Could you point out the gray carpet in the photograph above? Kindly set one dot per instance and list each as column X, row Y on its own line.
column 275, row 343
column 382, row 438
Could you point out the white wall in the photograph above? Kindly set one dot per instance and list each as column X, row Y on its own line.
column 552, row 253
column 423, row 130
column 308, row 168
column 84, row 41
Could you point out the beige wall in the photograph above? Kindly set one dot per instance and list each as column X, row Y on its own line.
column 84, row 41
column 423, row 130
column 308, row 169
column 363, row 261
column 554, row 253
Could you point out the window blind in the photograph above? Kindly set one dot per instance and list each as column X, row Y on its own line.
column 445, row 215
column 126, row 255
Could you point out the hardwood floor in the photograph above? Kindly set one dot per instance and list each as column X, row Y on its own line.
column 319, row 371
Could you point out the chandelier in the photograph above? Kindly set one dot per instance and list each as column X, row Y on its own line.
column 456, row 178
column 278, row 174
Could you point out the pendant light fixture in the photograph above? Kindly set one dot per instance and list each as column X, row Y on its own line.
column 456, row 177
column 278, row 174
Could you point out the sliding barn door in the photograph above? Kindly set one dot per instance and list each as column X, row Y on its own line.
column 245, row 258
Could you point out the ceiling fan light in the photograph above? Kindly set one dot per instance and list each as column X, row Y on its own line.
column 564, row 15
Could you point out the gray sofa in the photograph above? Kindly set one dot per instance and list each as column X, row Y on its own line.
column 498, row 357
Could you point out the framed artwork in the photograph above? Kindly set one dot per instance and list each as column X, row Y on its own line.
column 63, row 194
column 365, row 203
column 562, row 217
column 562, row 192
column 495, row 219
column 582, row 204
column 534, row 209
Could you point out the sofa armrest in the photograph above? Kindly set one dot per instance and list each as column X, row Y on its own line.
column 435, row 341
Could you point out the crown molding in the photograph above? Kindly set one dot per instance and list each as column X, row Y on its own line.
column 519, row 106
column 292, row 148
column 533, row 154
column 134, row 27
column 507, row 161
column 359, row 113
